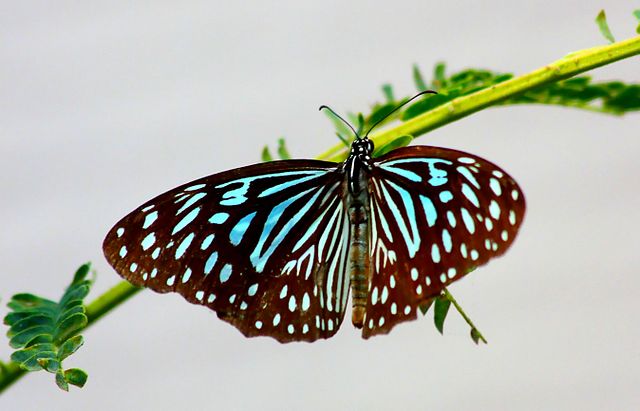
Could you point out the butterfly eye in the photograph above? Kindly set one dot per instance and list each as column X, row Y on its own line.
column 369, row 146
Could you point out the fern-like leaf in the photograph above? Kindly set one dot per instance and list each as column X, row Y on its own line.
column 45, row 332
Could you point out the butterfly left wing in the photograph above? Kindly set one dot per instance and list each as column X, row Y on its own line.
column 436, row 215
column 265, row 246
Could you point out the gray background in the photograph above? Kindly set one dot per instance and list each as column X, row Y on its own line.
column 106, row 104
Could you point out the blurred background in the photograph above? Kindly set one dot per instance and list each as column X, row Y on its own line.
column 103, row 105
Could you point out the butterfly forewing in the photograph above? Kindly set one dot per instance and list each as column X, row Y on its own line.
column 265, row 246
column 436, row 214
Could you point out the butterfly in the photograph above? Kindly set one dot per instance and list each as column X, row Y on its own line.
column 277, row 248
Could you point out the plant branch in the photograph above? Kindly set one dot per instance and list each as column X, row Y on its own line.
column 568, row 66
column 11, row 372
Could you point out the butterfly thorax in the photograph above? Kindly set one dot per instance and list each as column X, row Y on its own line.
column 357, row 167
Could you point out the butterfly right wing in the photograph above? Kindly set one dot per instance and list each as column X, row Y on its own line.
column 265, row 246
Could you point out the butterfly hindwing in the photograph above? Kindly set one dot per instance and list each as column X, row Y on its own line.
column 265, row 246
column 436, row 214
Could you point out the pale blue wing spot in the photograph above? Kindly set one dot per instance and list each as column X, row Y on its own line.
column 232, row 299
column 290, row 329
column 466, row 160
column 414, row 274
column 258, row 324
column 435, row 253
column 446, row 240
column 243, row 305
column 154, row 272
column 225, row 273
column 451, row 272
column 211, row 298
column 147, row 208
column 394, row 308
column 471, row 196
column 474, row 255
column 148, row 241
column 305, row 328
column 429, row 209
column 468, row 220
column 452, row 218
column 156, row 253
column 211, row 261
column 512, row 218
column 276, row 320
column 283, row 291
column 149, row 219
column 495, row 186
column 218, row 218
column 446, row 196
column 409, row 175
column 195, row 187
column 497, row 173
column 312, row 229
column 467, row 174
column 374, row 296
column 443, row 278
column 191, row 202
column 515, row 195
column 252, row 290
column 504, row 235
column 494, row 210
column 287, row 184
column 259, row 258
column 463, row 250
column 123, row 251
column 133, row 267
column 186, row 275
column 306, row 302
column 488, row 224
column 119, row 232
column 170, row 244
column 186, row 220
column 487, row 244
column 171, row 280
column 199, row 295
column 412, row 240
column 292, row 303
column 238, row 231
column 145, row 276
column 184, row 245
column 207, row 242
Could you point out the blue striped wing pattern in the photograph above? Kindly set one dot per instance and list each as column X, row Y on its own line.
column 265, row 246
column 436, row 214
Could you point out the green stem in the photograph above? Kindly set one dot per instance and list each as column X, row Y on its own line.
column 463, row 314
column 568, row 66
column 11, row 372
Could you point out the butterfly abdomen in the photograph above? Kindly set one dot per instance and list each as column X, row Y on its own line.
column 359, row 254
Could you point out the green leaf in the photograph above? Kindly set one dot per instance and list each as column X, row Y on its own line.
column 401, row 141
column 61, row 381
column 70, row 346
column 338, row 124
column 283, row 153
column 418, row 79
column 266, row 155
column 45, row 332
column 601, row 20
column 637, row 14
column 440, row 310
column 439, row 78
column 387, row 90
column 76, row 376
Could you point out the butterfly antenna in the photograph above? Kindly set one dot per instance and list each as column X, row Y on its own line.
column 343, row 120
column 398, row 108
